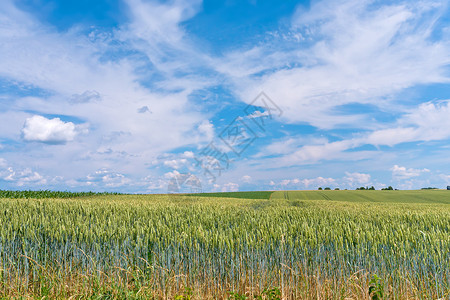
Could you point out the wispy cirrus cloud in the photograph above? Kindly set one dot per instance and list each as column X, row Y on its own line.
column 84, row 81
column 428, row 122
column 339, row 68
column 350, row 52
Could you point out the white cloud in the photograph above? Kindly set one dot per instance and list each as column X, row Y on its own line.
column 175, row 163
column 78, row 76
column 41, row 129
column 258, row 114
column 28, row 176
column 401, row 173
column 105, row 178
column 318, row 181
column 286, row 182
column 20, row 177
column 357, row 178
column 206, row 129
column 115, row 180
column 356, row 52
column 306, row 182
column 338, row 53
column 188, row 154
column 230, row 187
column 427, row 122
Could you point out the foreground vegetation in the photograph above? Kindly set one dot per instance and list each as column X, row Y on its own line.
column 48, row 194
column 297, row 245
column 242, row 195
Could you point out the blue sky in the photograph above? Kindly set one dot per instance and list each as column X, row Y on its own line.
column 129, row 95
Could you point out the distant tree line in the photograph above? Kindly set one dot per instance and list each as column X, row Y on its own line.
column 372, row 188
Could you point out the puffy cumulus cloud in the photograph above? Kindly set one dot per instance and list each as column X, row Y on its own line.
column 184, row 183
column 51, row 131
column 175, row 163
column 20, row 177
column 182, row 162
column 172, row 174
column 357, row 178
column 115, row 180
column 401, row 173
column 318, row 181
column 306, row 182
column 286, row 182
column 230, row 187
column 27, row 177
column 105, row 178
column 188, row 154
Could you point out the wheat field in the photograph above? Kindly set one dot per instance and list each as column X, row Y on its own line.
column 290, row 245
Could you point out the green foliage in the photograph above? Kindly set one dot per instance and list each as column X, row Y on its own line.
column 269, row 294
column 372, row 188
column 376, row 289
column 237, row 296
column 186, row 295
column 48, row 194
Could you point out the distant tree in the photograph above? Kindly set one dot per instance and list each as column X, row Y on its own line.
column 372, row 188
column 389, row 188
column 327, row 189
column 320, row 188
column 336, row 189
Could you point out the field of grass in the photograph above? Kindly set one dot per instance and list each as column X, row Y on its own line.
column 242, row 195
column 422, row 196
column 48, row 194
column 295, row 245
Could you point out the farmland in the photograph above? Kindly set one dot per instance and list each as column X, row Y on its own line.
column 290, row 245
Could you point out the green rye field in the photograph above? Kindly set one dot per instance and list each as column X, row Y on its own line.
column 281, row 245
